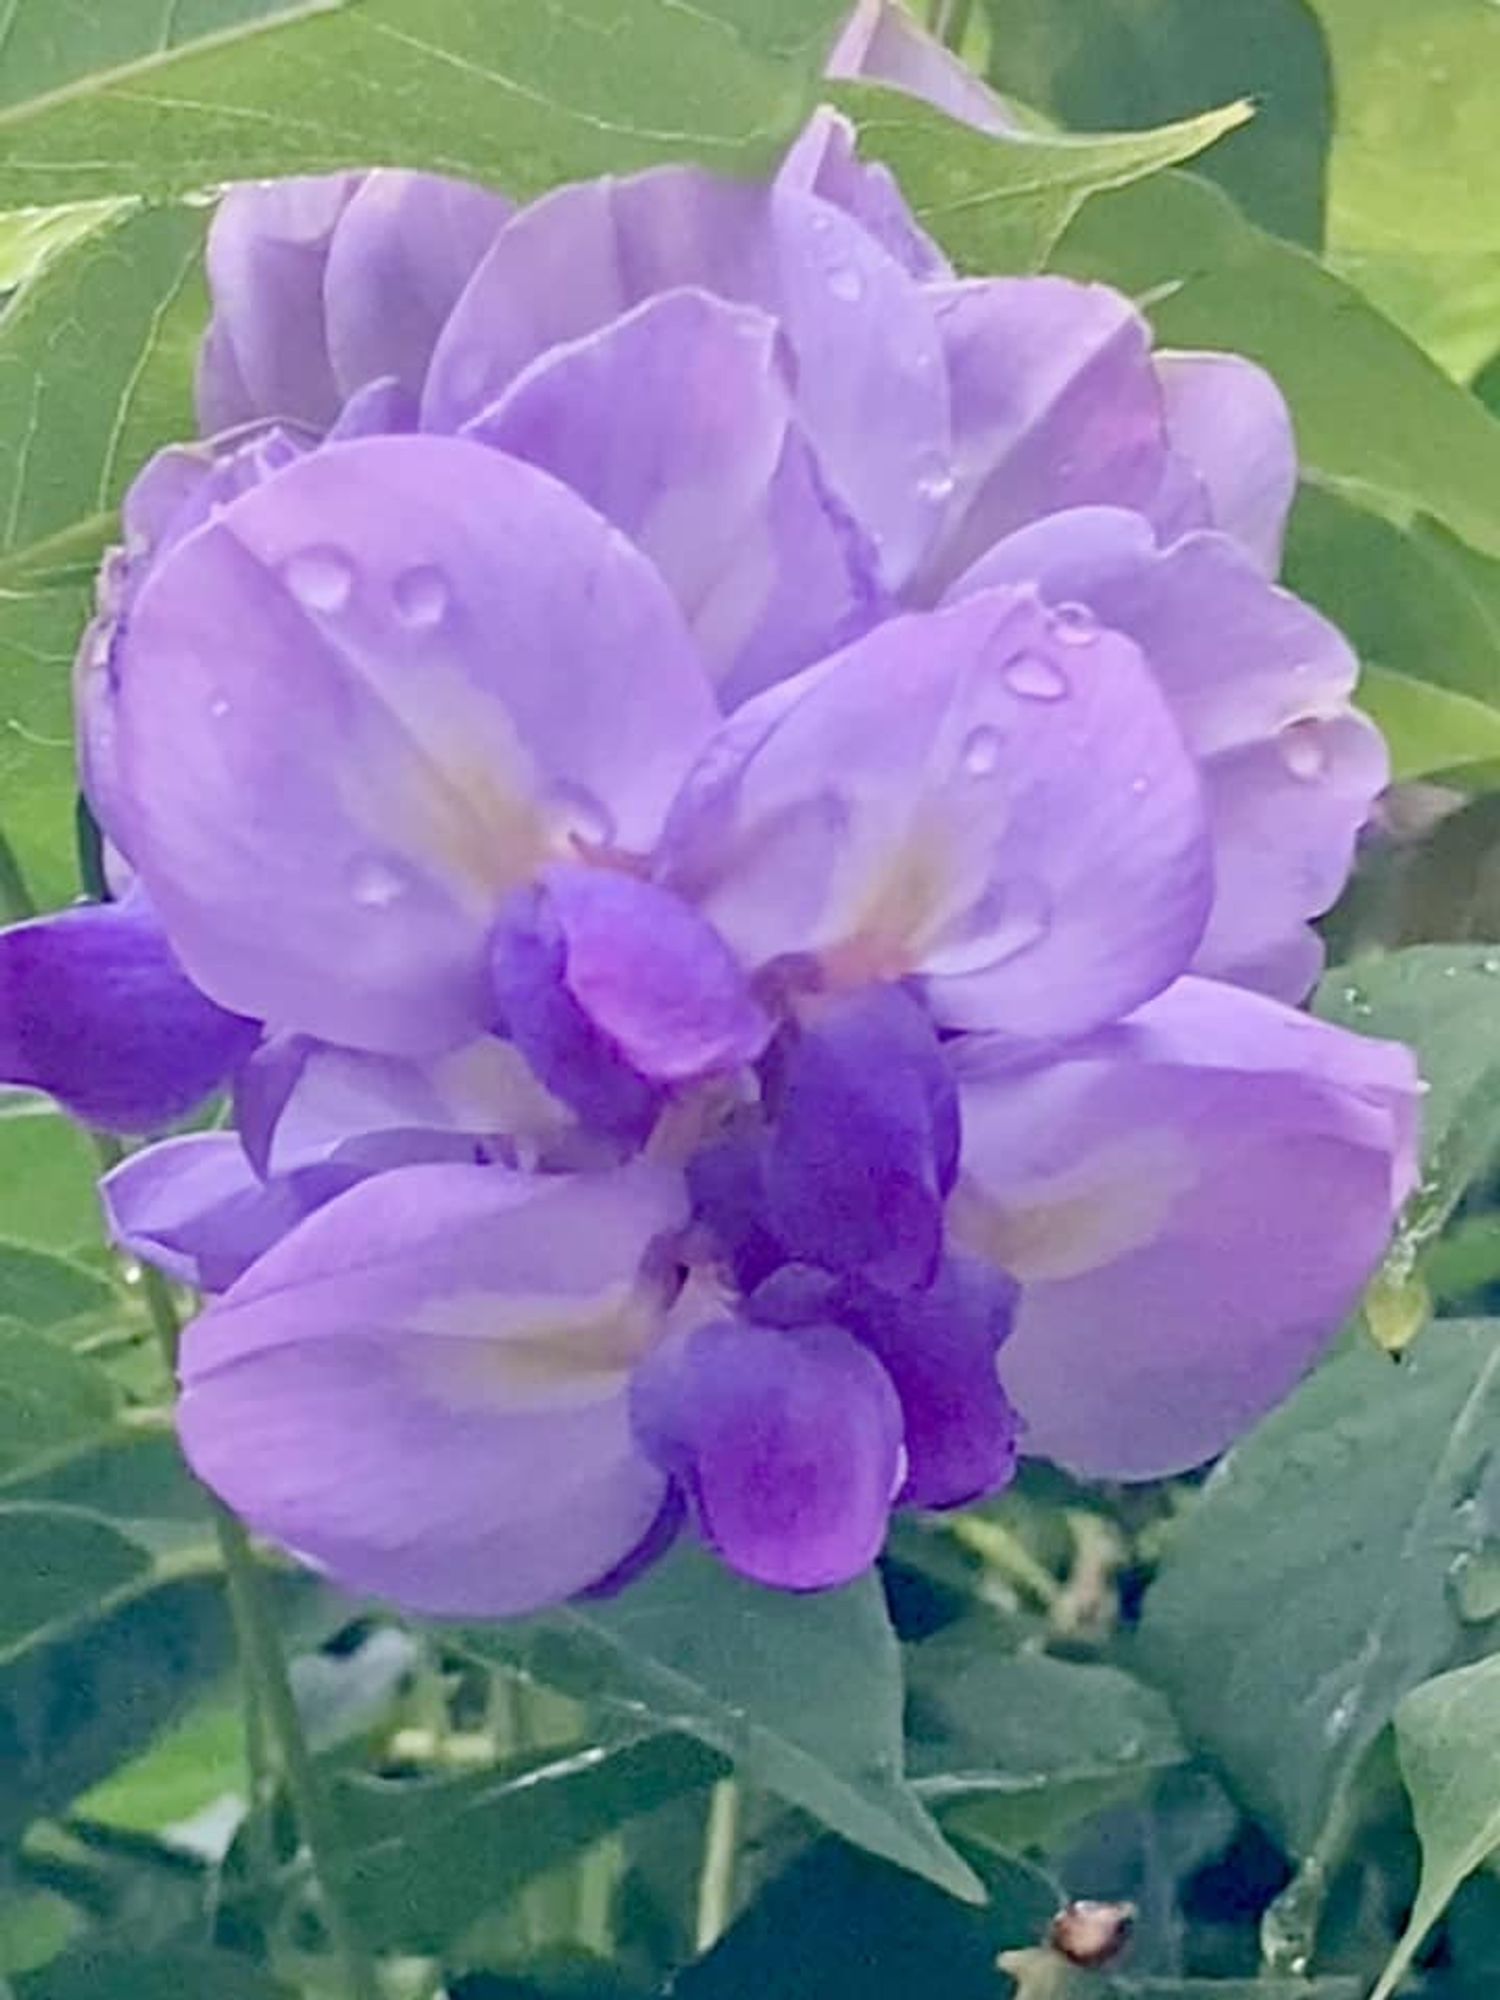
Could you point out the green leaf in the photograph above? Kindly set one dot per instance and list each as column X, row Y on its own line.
column 1416, row 608
column 1027, row 1744
column 1212, row 279
column 1000, row 202
column 430, row 1859
column 59, row 1567
column 193, row 1764
column 1104, row 65
column 50, row 1399
column 1309, row 1587
column 802, row 1694
column 40, row 1289
column 478, row 88
column 102, row 1973
column 30, row 235
column 1448, row 1740
column 134, row 1476
column 96, row 359
column 49, row 1172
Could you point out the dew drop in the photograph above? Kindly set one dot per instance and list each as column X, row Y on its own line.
column 846, row 284
column 1075, row 625
column 1490, row 963
column 981, row 751
column 420, row 596
column 1302, row 751
column 375, row 884
column 320, row 579
column 1139, row 787
column 1035, row 677
column 218, row 707
column 936, row 481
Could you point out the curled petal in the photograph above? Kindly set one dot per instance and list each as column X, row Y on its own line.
column 883, row 44
column 825, row 161
column 1228, row 420
column 96, row 1010
column 787, row 1441
column 424, row 1388
column 1162, row 1191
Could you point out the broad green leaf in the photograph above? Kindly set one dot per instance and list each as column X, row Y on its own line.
column 193, row 1764
column 48, row 1171
column 95, row 373
column 48, row 50
column 1448, row 1740
column 802, row 1694
column 1309, row 1587
column 59, row 1566
column 1000, row 202
column 34, row 1927
column 50, row 1400
column 134, row 1476
column 1024, row 1743
column 480, row 88
column 1414, row 606
column 1211, row 279
column 41, row 1289
column 1105, row 65
column 430, row 1859
column 29, row 235
column 106, row 1973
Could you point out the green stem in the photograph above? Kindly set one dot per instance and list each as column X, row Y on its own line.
column 949, row 20
column 265, row 1671
column 16, row 900
column 720, row 1854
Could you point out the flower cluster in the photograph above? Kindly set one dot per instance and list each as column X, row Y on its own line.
column 740, row 815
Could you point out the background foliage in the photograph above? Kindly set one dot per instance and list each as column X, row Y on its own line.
column 1266, row 1706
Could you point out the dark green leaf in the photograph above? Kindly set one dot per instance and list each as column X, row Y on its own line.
column 803, row 1694
column 58, row 1567
column 431, row 1859
column 999, row 203
column 1213, row 280
column 1026, row 1743
column 479, row 88
column 105, row 1974
column 42, row 1290
column 48, row 1170
column 1310, row 1585
column 135, row 1477
column 50, row 1399
column 1105, row 65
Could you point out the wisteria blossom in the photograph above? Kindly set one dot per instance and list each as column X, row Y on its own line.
column 740, row 815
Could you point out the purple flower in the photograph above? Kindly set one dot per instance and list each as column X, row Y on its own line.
column 753, row 811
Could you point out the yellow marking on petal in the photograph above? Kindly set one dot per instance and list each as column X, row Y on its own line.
column 903, row 905
column 1076, row 1222
column 508, row 1353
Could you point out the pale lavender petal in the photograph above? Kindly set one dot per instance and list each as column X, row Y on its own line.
column 1260, row 685
column 336, row 772
column 1229, row 421
column 787, row 1441
column 825, row 161
column 1163, row 1194
column 96, row 1010
column 424, row 1389
column 992, row 798
column 883, row 44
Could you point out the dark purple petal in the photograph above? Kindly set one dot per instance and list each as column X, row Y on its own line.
column 96, row 1010
column 863, row 1141
column 787, row 1441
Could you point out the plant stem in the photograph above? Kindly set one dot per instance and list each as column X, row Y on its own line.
column 265, row 1672
column 720, row 1852
column 16, row 900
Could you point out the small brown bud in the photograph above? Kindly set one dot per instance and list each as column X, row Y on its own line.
column 1091, row 1935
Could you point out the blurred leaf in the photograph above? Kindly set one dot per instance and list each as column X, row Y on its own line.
column 1448, row 301
column 1211, row 279
column 34, row 1927
column 1231, row 1989
column 28, row 235
column 1107, row 65
column 1309, row 1586
column 344, row 1695
column 40, row 1289
column 95, row 372
column 193, row 1764
column 134, row 1476
column 999, row 202
column 46, row 50
column 479, row 88
column 1448, row 1740
column 1419, row 618
column 431, row 1859
column 106, row 1974
column 802, row 1694
column 1027, row 1744
column 49, row 1173
column 49, row 1399
column 58, row 1566
column 837, row 1922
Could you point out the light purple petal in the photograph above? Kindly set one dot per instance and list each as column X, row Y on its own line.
column 991, row 797
column 337, row 766
column 1164, row 1193
column 403, row 250
column 870, row 386
column 825, row 162
column 424, row 1388
column 787, row 1440
column 883, row 44
column 266, row 352
column 1260, row 685
column 1229, row 421
column 96, row 1010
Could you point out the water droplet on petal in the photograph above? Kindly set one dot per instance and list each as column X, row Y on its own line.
column 1139, row 787
column 846, row 284
column 420, row 596
column 218, row 707
column 376, row 884
column 1075, row 625
column 1035, row 677
column 936, row 480
column 320, row 579
column 981, row 751
column 1302, row 751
